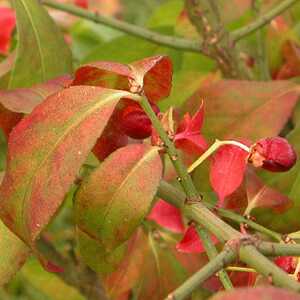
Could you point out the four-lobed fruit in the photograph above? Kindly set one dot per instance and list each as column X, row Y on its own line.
column 274, row 154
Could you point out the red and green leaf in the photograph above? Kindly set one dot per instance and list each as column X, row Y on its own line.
column 112, row 202
column 46, row 150
column 153, row 74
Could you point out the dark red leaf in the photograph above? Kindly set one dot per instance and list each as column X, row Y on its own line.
column 191, row 243
column 7, row 25
column 167, row 215
column 227, row 170
column 188, row 137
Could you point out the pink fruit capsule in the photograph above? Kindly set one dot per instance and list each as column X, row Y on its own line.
column 273, row 154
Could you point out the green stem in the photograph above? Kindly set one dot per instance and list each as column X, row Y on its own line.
column 184, row 177
column 212, row 253
column 278, row 277
column 226, row 257
column 275, row 249
column 240, row 269
column 175, row 197
column 262, row 20
column 152, row 36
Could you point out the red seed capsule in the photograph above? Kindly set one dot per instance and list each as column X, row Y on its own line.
column 273, row 154
column 135, row 123
column 286, row 263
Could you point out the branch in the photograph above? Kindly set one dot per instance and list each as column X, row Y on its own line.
column 149, row 35
column 223, row 259
column 273, row 249
column 175, row 197
column 262, row 21
column 184, row 177
column 212, row 253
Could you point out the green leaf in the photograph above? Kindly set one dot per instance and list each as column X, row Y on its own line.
column 13, row 253
column 41, row 50
column 112, row 202
column 96, row 257
column 46, row 150
column 49, row 285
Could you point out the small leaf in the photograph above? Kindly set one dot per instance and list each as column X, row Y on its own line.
column 112, row 202
column 42, row 53
column 46, row 150
column 167, row 215
column 153, row 74
column 191, row 242
column 7, row 25
column 227, row 170
column 24, row 100
column 188, row 137
column 259, row 293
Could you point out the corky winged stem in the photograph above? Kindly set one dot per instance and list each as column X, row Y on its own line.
column 184, row 177
column 215, row 146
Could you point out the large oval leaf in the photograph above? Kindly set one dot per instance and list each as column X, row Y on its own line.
column 41, row 51
column 111, row 203
column 46, row 150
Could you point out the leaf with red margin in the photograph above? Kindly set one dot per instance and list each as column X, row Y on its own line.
column 24, row 100
column 191, row 242
column 114, row 199
column 259, row 293
column 45, row 152
column 8, row 120
column 247, row 109
column 167, row 215
column 154, row 74
column 188, row 137
column 227, row 170
column 7, row 25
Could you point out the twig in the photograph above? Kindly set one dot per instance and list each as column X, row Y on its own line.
column 184, row 177
column 225, row 257
column 174, row 196
column 275, row 249
column 262, row 21
column 212, row 253
column 152, row 36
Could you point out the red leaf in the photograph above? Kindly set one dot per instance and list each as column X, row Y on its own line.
column 188, row 137
column 24, row 100
column 191, row 242
column 286, row 263
column 227, row 170
column 82, row 3
column 167, row 215
column 154, row 74
column 45, row 152
column 7, row 25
